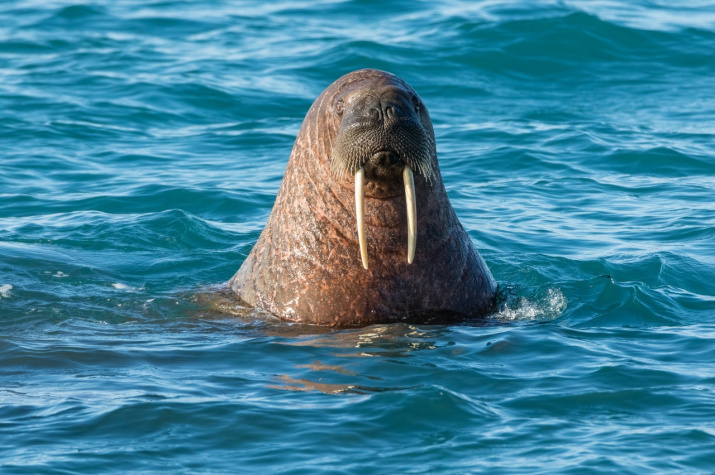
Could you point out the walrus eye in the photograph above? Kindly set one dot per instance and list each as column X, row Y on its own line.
column 339, row 106
column 416, row 102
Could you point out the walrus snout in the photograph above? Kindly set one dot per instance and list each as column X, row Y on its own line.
column 389, row 118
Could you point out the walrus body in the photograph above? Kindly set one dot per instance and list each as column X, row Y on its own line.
column 364, row 139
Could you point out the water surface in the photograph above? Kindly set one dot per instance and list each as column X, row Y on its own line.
column 142, row 146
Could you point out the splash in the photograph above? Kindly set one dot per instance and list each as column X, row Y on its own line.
column 5, row 291
column 548, row 307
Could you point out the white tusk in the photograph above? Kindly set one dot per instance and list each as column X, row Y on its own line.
column 411, row 213
column 360, row 213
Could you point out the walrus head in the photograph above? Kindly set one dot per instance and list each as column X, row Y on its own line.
column 384, row 134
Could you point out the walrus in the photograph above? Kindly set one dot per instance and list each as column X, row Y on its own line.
column 362, row 231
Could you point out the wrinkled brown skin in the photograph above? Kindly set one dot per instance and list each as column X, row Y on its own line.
column 306, row 267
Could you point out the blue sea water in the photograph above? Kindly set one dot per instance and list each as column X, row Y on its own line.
column 142, row 144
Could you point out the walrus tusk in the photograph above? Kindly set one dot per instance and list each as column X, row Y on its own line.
column 409, row 179
column 360, row 213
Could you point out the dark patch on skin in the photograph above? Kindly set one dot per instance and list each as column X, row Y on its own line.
column 306, row 264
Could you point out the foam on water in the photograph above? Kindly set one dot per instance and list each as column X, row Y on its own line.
column 5, row 291
column 548, row 307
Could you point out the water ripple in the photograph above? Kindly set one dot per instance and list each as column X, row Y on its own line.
column 143, row 146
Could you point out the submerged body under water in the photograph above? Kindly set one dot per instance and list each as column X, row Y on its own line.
column 143, row 144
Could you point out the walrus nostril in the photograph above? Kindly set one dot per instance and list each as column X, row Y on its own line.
column 375, row 113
